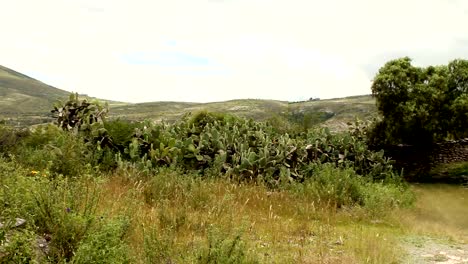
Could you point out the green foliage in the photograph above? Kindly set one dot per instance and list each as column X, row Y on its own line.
column 57, row 152
column 42, row 135
column 420, row 105
column 79, row 115
column 61, row 208
column 157, row 246
column 16, row 199
column 10, row 138
column 121, row 132
column 223, row 249
column 380, row 199
column 66, row 211
column 333, row 186
column 19, row 248
column 338, row 187
column 349, row 149
column 104, row 244
column 86, row 120
column 212, row 144
column 172, row 166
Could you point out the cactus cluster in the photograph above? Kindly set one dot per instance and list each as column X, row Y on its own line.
column 78, row 114
column 246, row 149
column 217, row 144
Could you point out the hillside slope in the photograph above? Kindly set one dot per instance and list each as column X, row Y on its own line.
column 25, row 101
column 334, row 113
column 22, row 94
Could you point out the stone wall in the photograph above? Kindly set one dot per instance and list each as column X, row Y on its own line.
column 417, row 161
column 451, row 151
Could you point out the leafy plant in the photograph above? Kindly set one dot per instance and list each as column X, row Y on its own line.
column 104, row 244
column 223, row 249
column 65, row 211
column 418, row 105
column 78, row 114
column 19, row 248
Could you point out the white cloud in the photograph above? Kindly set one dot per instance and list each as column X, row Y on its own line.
column 206, row 50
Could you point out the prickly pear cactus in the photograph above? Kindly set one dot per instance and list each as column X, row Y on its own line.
column 76, row 114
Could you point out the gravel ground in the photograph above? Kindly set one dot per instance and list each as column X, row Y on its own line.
column 423, row 250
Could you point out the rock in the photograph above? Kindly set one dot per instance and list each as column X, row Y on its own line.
column 18, row 222
column 42, row 245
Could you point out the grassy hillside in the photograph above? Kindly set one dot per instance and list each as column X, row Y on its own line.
column 332, row 112
column 170, row 111
column 23, row 94
column 25, row 101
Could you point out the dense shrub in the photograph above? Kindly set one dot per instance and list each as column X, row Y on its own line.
column 211, row 144
column 330, row 185
column 57, row 152
column 104, row 245
column 121, row 132
column 337, row 187
column 63, row 211
column 19, row 249
column 10, row 138
column 224, row 249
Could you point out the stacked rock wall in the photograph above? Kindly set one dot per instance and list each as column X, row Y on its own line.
column 415, row 161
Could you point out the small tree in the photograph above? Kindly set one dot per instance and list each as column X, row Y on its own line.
column 421, row 105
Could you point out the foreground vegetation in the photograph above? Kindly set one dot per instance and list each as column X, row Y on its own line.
column 171, row 217
column 209, row 189
column 216, row 188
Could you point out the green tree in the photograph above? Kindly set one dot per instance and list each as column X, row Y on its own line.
column 420, row 105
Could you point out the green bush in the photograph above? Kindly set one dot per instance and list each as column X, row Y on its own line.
column 60, row 208
column 58, row 152
column 224, row 249
column 104, row 244
column 17, row 185
column 158, row 246
column 42, row 135
column 65, row 210
column 337, row 187
column 380, row 199
column 10, row 138
column 213, row 144
column 121, row 132
column 328, row 184
column 20, row 247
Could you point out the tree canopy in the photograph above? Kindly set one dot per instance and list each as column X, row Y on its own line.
column 421, row 105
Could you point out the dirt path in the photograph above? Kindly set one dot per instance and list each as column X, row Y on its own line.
column 423, row 250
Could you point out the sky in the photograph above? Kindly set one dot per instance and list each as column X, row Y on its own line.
column 216, row 50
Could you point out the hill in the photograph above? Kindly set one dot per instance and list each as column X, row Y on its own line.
column 334, row 113
column 25, row 101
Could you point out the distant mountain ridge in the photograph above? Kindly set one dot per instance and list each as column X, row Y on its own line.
column 26, row 101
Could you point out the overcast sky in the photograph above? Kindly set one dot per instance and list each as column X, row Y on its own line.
column 212, row 50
